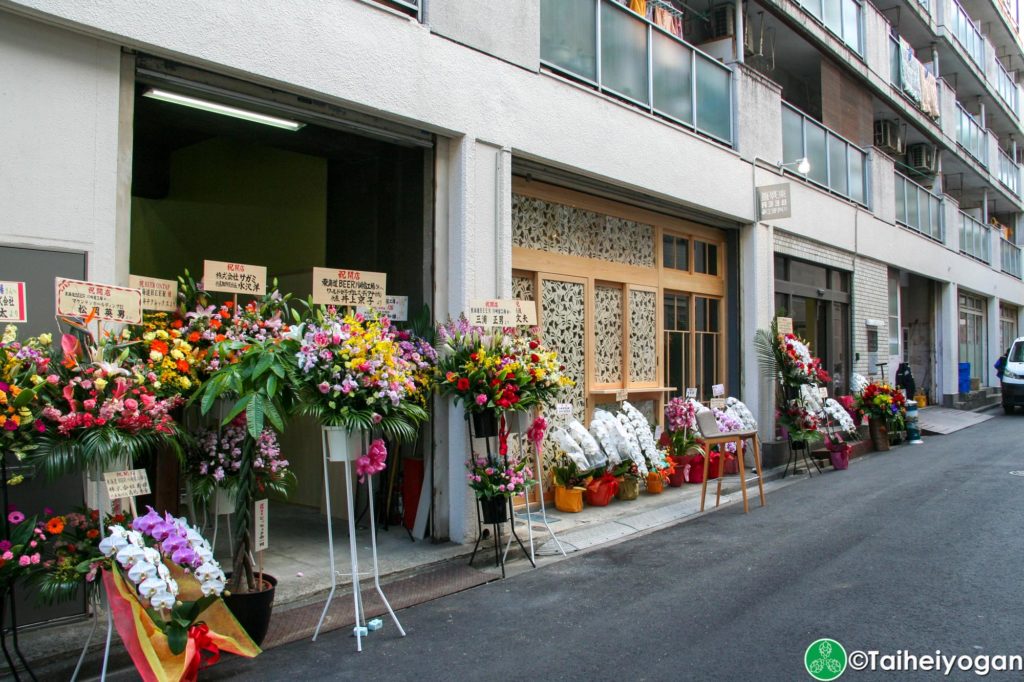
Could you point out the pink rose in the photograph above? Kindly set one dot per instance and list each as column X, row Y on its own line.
column 131, row 404
column 53, row 379
column 481, row 399
column 89, row 404
column 23, row 560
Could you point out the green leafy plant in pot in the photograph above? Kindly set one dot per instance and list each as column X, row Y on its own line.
column 255, row 375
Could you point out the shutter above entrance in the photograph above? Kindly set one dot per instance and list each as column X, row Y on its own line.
column 199, row 83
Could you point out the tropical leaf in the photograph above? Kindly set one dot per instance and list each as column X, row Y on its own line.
column 764, row 347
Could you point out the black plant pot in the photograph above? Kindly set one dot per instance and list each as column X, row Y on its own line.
column 494, row 509
column 485, row 424
column 252, row 609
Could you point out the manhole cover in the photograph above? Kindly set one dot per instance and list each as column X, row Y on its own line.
column 1017, row 473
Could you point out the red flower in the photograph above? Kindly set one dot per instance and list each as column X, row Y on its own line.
column 177, row 324
column 463, row 384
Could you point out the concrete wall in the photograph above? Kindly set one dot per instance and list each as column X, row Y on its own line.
column 870, row 303
column 507, row 30
column 59, row 99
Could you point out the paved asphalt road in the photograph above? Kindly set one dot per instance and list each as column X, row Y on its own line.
column 916, row 549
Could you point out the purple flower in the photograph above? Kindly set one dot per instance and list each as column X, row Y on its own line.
column 144, row 524
column 185, row 556
column 5, row 545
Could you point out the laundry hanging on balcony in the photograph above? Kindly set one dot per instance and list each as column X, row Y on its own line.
column 929, row 92
column 910, row 71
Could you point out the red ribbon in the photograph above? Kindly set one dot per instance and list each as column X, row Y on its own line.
column 610, row 481
column 204, row 645
column 502, row 436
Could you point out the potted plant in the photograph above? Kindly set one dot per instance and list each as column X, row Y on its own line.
column 495, row 482
column 628, row 474
column 601, row 489
column 164, row 588
column 885, row 408
column 569, row 484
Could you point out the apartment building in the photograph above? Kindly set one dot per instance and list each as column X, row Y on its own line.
column 599, row 157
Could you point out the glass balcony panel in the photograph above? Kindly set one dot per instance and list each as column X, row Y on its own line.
column 792, row 135
column 837, row 166
column 817, row 153
column 623, row 52
column 714, row 103
column 857, row 190
column 568, row 37
column 673, row 92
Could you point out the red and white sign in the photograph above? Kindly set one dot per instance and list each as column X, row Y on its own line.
column 12, row 302
column 157, row 294
column 76, row 298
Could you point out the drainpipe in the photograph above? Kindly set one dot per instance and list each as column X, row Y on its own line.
column 738, row 25
column 981, row 114
column 935, row 61
column 984, row 206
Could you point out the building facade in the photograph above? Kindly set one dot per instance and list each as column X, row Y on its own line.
column 601, row 158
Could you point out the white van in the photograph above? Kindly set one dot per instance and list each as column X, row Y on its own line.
column 1013, row 377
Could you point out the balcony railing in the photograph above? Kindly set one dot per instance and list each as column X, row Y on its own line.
column 971, row 135
column 841, row 17
column 974, row 238
column 966, row 33
column 918, row 209
column 1010, row 258
column 1006, row 88
column 1009, row 173
column 836, row 164
column 623, row 54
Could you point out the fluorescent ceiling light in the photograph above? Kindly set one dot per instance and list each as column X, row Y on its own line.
column 217, row 108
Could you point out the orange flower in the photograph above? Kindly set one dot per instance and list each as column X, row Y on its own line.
column 182, row 366
column 215, row 324
column 55, row 526
column 159, row 346
column 225, row 314
column 92, row 533
column 229, row 305
column 219, row 337
column 193, row 337
column 177, row 324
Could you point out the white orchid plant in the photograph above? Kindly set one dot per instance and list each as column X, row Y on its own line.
column 146, row 552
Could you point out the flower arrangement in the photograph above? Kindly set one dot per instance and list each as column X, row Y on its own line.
column 352, row 371
column 681, row 424
column 591, row 450
column 215, row 459
column 801, row 423
column 570, row 448
column 489, row 477
column 566, row 473
column 23, row 390
column 71, row 555
column 628, row 470
column 636, row 453
column 727, row 423
column 602, row 433
column 798, row 365
column 842, row 424
column 741, row 412
column 505, row 371
column 422, row 357
column 166, row 360
column 849, row 404
column 164, row 588
column 20, row 551
column 882, row 401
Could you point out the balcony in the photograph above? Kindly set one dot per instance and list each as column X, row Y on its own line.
column 1006, row 87
column 1009, row 173
column 918, row 209
column 967, row 34
column 622, row 54
column 910, row 85
column 1010, row 258
column 971, row 136
column 975, row 238
column 837, row 164
column 841, row 17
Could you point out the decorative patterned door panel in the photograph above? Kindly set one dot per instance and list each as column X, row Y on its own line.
column 643, row 336
column 563, row 328
column 608, row 327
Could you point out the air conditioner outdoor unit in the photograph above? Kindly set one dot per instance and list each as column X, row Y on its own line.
column 723, row 21
column 889, row 136
column 921, row 157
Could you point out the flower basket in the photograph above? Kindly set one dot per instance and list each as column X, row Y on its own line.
column 840, row 458
column 494, row 509
column 569, row 500
column 678, row 477
column 600, row 491
column 629, row 488
column 655, row 483
column 879, row 433
column 731, row 466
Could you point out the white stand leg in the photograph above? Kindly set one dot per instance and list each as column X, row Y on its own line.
column 88, row 640
column 110, row 618
column 376, row 569
column 357, row 599
column 330, row 540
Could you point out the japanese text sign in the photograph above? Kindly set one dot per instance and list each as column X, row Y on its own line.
column 234, row 278
column 12, row 302
column 496, row 312
column 395, row 307
column 785, row 324
column 105, row 302
column 128, row 483
column 349, row 288
column 157, row 294
column 260, row 534
column 773, row 201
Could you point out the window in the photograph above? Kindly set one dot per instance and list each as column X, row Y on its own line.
column 1007, row 325
column 676, row 252
column 705, row 258
column 817, row 298
column 894, row 313
column 693, row 342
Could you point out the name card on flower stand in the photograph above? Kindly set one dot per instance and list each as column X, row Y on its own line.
column 12, row 302
column 349, row 288
column 718, row 403
column 341, row 446
column 691, row 393
column 76, row 298
column 784, row 325
column 234, row 278
column 157, row 294
column 564, row 412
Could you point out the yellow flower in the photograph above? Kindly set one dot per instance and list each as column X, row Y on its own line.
column 45, row 339
column 36, row 379
column 10, row 334
column 100, row 384
column 15, row 480
column 156, row 356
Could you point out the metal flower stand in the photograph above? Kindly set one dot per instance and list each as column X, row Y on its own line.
column 337, row 447
column 540, row 496
column 485, row 430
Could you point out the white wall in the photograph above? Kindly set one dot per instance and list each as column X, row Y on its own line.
column 59, row 97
